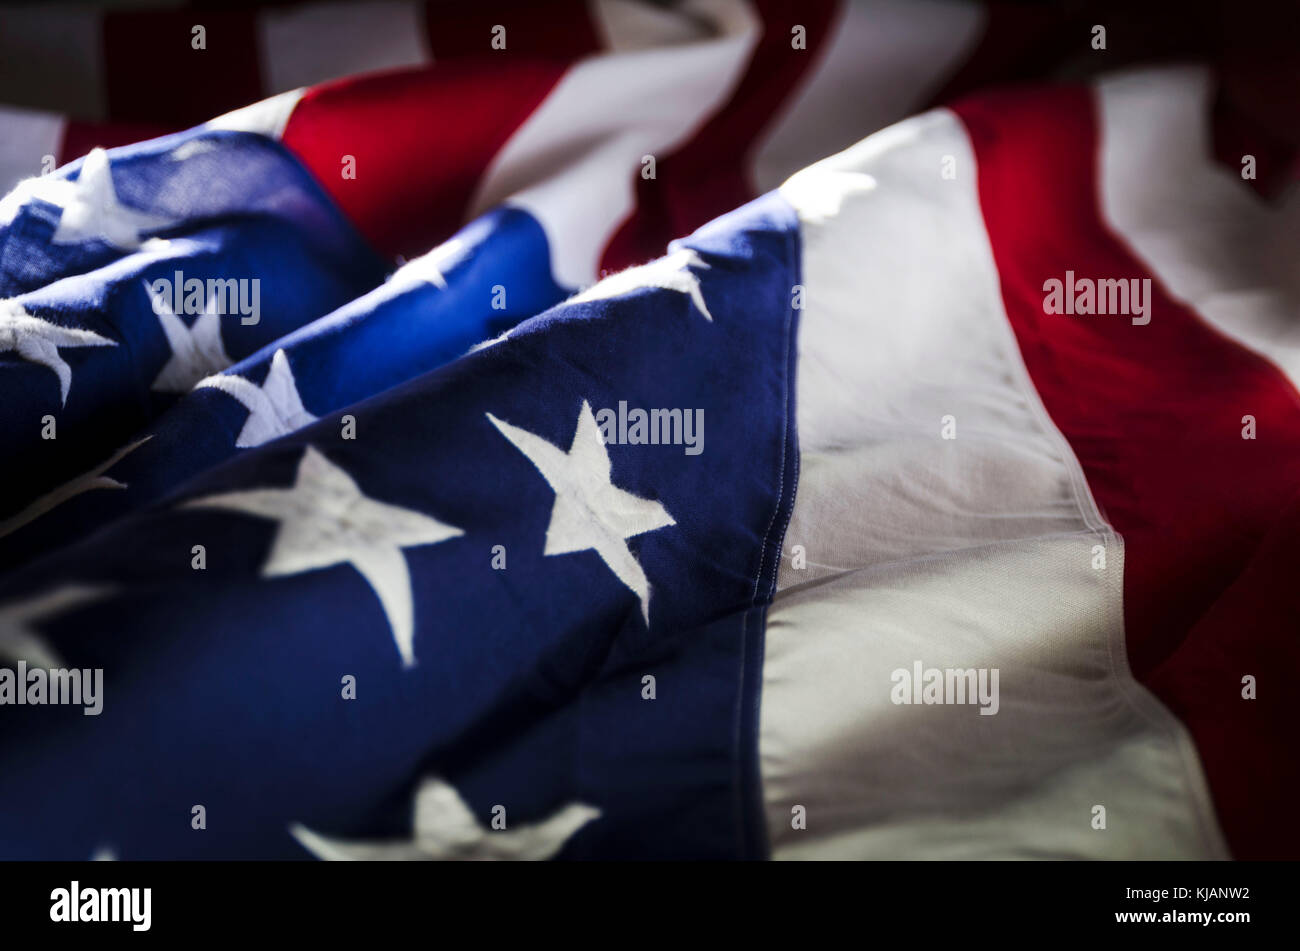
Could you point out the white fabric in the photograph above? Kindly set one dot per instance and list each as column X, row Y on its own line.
column 27, row 138
column 37, row 341
column 325, row 520
column 268, row 117
column 973, row 552
column 574, row 162
column 590, row 512
column 672, row 272
column 90, row 207
column 1214, row 244
column 197, row 349
column 445, row 829
column 885, row 59
column 275, row 408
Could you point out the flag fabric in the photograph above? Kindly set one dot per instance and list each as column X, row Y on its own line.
column 95, row 297
column 427, row 313
column 934, row 500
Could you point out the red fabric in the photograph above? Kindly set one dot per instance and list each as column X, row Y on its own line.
column 421, row 140
column 691, row 185
column 1153, row 413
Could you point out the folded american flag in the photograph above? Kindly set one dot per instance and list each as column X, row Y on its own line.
column 936, row 500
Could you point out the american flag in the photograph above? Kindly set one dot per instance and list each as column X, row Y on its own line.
column 722, row 429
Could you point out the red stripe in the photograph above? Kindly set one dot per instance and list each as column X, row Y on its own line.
column 709, row 175
column 1210, row 521
column 421, row 140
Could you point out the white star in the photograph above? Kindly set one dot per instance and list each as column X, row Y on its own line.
column 431, row 268
column 446, row 829
column 590, row 511
column 17, row 639
column 91, row 210
column 92, row 479
column 39, row 340
column 325, row 520
column 671, row 272
column 196, row 350
column 274, row 408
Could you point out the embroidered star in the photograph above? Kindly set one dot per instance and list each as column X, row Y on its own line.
column 91, row 209
column 17, row 639
column 38, row 341
column 671, row 273
column 446, row 829
column 431, row 268
column 196, row 350
column 325, row 520
column 590, row 511
column 274, row 408
column 92, row 479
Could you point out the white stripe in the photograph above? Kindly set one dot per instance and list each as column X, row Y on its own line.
column 53, row 62
column 268, row 117
column 26, row 138
column 573, row 163
column 885, row 59
column 301, row 46
column 975, row 552
column 1212, row 242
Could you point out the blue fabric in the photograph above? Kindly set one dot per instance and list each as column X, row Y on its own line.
column 395, row 332
column 222, row 686
column 244, row 209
